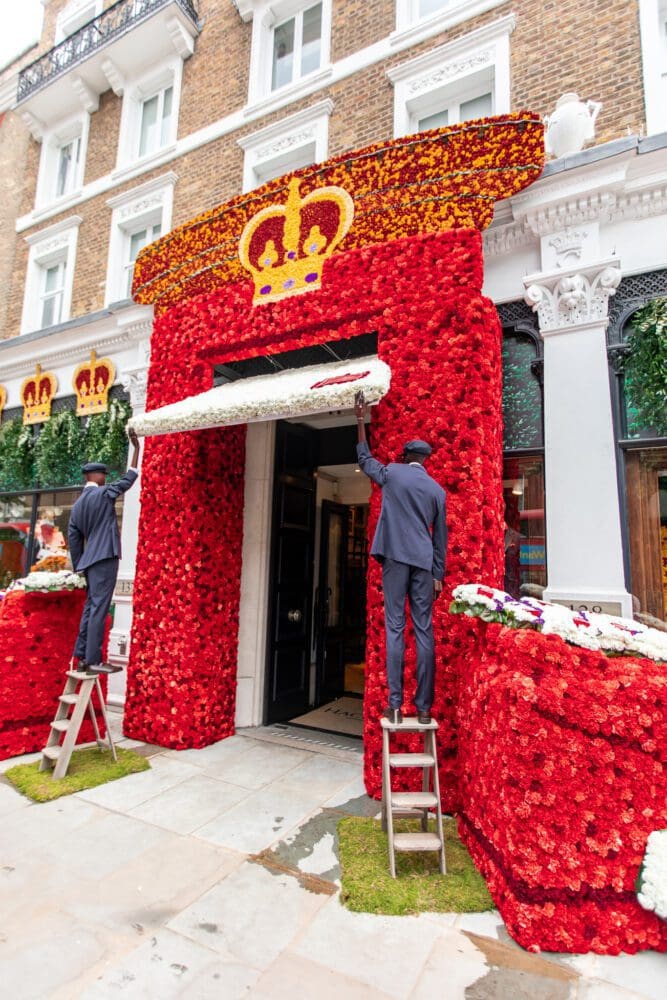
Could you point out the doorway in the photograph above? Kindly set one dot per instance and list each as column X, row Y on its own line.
column 317, row 596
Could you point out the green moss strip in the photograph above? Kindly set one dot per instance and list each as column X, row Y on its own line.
column 88, row 768
column 367, row 886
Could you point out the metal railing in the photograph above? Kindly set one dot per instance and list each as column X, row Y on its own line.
column 111, row 23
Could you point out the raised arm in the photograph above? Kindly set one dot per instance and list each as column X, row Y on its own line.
column 369, row 466
column 114, row 490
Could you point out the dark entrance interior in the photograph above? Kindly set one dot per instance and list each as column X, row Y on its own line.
column 317, row 625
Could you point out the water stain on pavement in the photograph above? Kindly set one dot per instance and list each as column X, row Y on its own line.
column 518, row 974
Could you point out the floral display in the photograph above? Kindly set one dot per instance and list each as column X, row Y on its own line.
column 44, row 581
column 50, row 564
column 652, row 878
column 312, row 390
column 37, row 634
column 562, row 782
column 587, row 629
column 438, row 180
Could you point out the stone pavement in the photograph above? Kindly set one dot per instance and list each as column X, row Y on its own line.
column 213, row 875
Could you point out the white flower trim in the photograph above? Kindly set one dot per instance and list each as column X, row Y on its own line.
column 293, row 393
column 652, row 879
column 590, row 631
column 64, row 579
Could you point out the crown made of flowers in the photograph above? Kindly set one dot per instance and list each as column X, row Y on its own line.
column 284, row 247
column 3, row 400
column 92, row 382
column 37, row 392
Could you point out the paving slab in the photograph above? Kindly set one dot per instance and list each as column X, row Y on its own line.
column 257, row 765
column 292, row 977
column 190, row 804
column 129, row 792
column 322, row 775
column 251, row 916
column 23, row 831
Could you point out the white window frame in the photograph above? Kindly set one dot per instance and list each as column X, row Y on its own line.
column 168, row 75
column 48, row 247
column 266, row 16
column 144, row 206
column 413, row 28
column 450, row 74
column 60, row 135
column 74, row 16
column 652, row 18
column 293, row 142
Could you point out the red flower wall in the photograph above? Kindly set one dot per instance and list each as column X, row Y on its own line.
column 441, row 338
column 37, row 635
column 562, row 780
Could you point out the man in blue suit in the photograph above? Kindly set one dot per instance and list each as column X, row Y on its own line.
column 94, row 543
column 411, row 543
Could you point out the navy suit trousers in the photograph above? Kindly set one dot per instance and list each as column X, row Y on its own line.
column 101, row 580
column 401, row 582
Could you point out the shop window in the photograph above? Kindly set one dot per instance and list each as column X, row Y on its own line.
column 15, row 518
column 525, row 526
column 522, row 393
column 646, row 486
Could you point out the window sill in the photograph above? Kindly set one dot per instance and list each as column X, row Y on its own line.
column 417, row 31
column 291, row 92
column 138, row 166
column 65, row 201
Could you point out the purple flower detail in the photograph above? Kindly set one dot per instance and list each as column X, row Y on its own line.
column 289, row 283
column 311, row 277
column 291, row 255
column 265, row 289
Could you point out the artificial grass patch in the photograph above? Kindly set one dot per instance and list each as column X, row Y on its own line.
column 88, row 768
column 367, row 886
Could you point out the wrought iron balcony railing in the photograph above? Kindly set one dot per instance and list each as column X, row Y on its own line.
column 97, row 33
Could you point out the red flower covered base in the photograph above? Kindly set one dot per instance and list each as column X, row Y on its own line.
column 562, row 782
column 37, row 634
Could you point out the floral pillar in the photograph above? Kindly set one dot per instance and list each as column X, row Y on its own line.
column 585, row 559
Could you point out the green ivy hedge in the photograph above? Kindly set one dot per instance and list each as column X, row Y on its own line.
column 54, row 456
column 645, row 370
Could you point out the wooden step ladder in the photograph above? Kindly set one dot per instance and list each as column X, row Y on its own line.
column 78, row 693
column 411, row 805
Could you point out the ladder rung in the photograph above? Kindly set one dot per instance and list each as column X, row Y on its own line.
column 68, row 699
column 52, row 752
column 410, row 725
column 413, row 800
column 79, row 676
column 62, row 725
column 411, row 760
column 416, row 842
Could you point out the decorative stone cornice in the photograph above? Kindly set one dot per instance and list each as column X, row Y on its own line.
column 566, row 300
column 500, row 240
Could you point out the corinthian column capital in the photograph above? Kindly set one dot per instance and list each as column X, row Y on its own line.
column 565, row 300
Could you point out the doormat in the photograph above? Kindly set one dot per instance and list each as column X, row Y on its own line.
column 344, row 715
column 367, row 886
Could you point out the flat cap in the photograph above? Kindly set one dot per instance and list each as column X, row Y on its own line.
column 417, row 448
column 94, row 467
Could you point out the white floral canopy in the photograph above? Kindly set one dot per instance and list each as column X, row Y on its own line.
column 293, row 393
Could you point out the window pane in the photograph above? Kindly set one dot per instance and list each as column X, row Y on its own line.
column 137, row 242
column 51, row 278
column 14, row 530
column 478, row 107
column 427, row 7
column 167, row 105
column 437, row 120
column 311, row 46
column 522, row 397
column 525, row 541
column 157, row 231
column 283, row 54
column 148, row 139
column 64, row 167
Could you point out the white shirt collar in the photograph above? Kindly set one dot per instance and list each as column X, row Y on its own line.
column 96, row 485
column 418, row 464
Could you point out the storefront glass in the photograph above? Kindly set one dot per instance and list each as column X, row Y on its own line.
column 15, row 515
column 525, row 538
column 646, row 483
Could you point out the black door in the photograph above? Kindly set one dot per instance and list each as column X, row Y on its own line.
column 292, row 572
column 330, row 631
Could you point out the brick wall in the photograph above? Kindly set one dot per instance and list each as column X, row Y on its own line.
column 552, row 51
column 14, row 142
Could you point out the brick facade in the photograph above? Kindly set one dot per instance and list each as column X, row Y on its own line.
column 552, row 51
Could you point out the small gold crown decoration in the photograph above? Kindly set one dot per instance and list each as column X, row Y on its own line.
column 92, row 382
column 37, row 392
column 285, row 246
column 3, row 400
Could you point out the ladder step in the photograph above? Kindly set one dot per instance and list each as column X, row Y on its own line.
column 68, row 699
column 416, row 842
column 413, row 800
column 411, row 760
column 51, row 752
column 79, row 676
column 409, row 725
column 61, row 725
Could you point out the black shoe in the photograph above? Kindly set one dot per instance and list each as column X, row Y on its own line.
column 424, row 718
column 103, row 668
column 394, row 715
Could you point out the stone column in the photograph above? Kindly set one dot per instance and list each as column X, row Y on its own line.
column 584, row 548
column 133, row 379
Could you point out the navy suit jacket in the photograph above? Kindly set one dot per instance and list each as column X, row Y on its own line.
column 93, row 530
column 412, row 528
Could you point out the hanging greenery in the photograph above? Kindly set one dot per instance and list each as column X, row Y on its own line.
column 106, row 438
column 17, row 456
column 58, row 450
column 646, row 370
